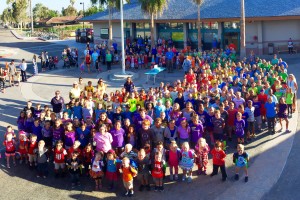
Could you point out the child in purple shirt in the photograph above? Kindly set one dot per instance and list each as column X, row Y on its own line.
column 69, row 135
column 118, row 134
column 196, row 130
column 239, row 124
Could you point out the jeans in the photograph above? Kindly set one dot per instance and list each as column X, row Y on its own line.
column 74, row 178
column 108, row 65
column 2, row 84
column 23, row 74
column 42, row 169
column 216, row 169
column 271, row 124
column 170, row 65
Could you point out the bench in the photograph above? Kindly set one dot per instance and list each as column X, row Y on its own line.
column 284, row 49
column 154, row 72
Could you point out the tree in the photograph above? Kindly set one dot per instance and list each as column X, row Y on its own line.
column 72, row 2
column 53, row 13
column 199, row 3
column 40, row 12
column 92, row 10
column 6, row 16
column 153, row 7
column 111, row 4
column 19, row 8
column 69, row 11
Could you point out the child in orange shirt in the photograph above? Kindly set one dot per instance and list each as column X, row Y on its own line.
column 128, row 174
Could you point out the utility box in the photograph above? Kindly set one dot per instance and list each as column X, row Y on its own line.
column 271, row 48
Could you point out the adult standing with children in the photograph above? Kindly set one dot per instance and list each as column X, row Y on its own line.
column 108, row 58
column 12, row 72
column 292, row 83
column 23, row 67
column 57, row 103
column 169, row 59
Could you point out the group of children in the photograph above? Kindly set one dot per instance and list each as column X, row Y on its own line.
column 142, row 133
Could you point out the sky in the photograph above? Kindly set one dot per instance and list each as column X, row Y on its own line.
column 52, row 4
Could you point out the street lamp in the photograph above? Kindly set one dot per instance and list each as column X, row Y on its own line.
column 82, row 3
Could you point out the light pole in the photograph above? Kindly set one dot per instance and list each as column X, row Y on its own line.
column 82, row 3
column 31, row 16
column 243, row 31
column 122, row 38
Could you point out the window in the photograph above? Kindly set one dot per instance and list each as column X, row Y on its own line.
column 232, row 25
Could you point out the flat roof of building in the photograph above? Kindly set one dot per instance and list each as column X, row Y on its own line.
column 186, row 10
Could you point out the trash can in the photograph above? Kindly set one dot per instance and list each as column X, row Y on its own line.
column 271, row 48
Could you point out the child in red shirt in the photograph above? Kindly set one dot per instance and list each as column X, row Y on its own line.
column 22, row 148
column 158, row 172
column 59, row 158
column 32, row 146
column 10, row 149
column 218, row 160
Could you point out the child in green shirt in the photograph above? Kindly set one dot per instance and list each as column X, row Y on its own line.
column 289, row 100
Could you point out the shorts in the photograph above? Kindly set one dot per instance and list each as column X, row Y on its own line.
column 111, row 176
column 282, row 116
column 32, row 158
column 250, row 126
column 143, row 176
column 156, row 180
column 96, row 175
column 128, row 184
column 9, row 154
column 59, row 165
column 258, row 120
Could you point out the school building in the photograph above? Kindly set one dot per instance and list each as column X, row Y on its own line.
column 268, row 22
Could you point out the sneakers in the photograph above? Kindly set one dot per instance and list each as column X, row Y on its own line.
column 204, row 173
column 161, row 188
column 141, row 188
column 236, row 177
column 183, row 178
column 288, row 131
column 126, row 194
column 130, row 194
column 148, row 187
column 224, row 179
column 246, row 179
column 189, row 179
column 199, row 172
column 176, row 177
column 171, row 177
column 155, row 188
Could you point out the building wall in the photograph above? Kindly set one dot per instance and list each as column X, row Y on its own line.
column 279, row 32
column 116, row 31
column 258, row 34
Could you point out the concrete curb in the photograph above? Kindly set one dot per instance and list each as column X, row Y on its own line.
column 25, row 38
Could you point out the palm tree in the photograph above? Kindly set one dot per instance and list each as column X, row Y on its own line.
column 243, row 32
column 72, row 2
column 199, row 3
column 110, row 5
column 153, row 7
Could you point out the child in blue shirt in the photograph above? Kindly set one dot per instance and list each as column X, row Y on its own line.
column 77, row 111
column 98, row 111
column 83, row 135
column 270, row 106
